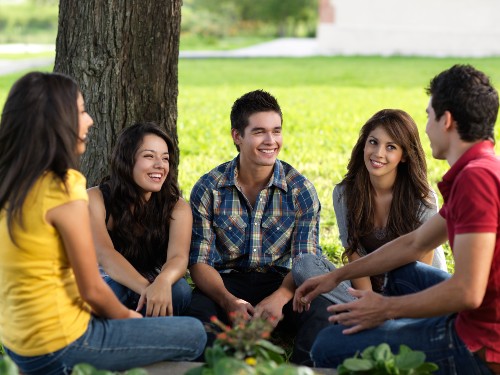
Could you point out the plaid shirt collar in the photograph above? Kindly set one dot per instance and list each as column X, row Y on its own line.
column 231, row 175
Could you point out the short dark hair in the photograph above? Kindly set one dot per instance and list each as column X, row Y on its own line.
column 250, row 103
column 470, row 98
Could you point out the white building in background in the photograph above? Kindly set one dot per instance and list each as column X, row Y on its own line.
column 409, row 27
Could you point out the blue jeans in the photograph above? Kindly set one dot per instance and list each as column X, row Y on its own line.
column 306, row 266
column 122, row 344
column 436, row 337
column 181, row 295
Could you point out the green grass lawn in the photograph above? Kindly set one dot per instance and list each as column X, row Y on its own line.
column 325, row 101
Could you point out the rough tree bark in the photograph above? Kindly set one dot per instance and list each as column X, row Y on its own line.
column 124, row 55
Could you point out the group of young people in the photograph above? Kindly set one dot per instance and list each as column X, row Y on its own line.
column 98, row 275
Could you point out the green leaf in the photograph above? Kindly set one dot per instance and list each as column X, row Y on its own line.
column 367, row 353
column 358, row 364
column 197, row 370
column 383, row 353
column 270, row 346
column 404, row 349
column 7, row 366
column 427, row 367
column 136, row 371
column 83, row 369
column 410, row 360
column 214, row 354
column 232, row 366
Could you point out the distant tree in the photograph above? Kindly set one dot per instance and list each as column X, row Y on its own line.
column 124, row 55
column 285, row 15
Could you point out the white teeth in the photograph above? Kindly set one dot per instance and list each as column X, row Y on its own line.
column 155, row 175
column 377, row 163
column 267, row 151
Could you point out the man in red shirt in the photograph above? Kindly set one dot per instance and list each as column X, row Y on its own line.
column 454, row 319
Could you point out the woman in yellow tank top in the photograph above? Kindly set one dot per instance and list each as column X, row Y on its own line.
column 55, row 310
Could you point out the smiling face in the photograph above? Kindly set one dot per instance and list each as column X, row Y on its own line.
column 151, row 164
column 261, row 141
column 84, row 123
column 382, row 155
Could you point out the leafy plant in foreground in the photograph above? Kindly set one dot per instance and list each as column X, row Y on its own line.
column 381, row 361
column 244, row 349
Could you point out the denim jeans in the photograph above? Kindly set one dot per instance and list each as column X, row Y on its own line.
column 436, row 337
column 122, row 344
column 181, row 295
column 306, row 266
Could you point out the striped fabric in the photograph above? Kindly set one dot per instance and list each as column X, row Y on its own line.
column 228, row 234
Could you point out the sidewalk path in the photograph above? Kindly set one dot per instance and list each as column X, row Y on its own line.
column 283, row 47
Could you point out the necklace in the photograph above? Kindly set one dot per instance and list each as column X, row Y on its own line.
column 380, row 233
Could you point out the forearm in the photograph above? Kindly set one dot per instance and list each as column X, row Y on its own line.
column 103, row 302
column 286, row 290
column 444, row 298
column 121, row 271
column 173, row 270
column 210, row 282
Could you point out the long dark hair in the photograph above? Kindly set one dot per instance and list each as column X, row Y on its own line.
column 38, row 133
column 141, row 227
column 411, row 188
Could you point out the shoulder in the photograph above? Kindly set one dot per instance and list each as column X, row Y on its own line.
column 57, row 192
column 213, row 177
column 96, row 198
column 294, row 179
column 338, row 192
column 181, row 208
column 210, row 181
column 479, row 175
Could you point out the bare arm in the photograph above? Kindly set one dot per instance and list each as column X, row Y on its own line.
column 158, row 295
column 115, row 264
column 209, row 281
column 72, row 222
column 464, row 290
column 362, row 283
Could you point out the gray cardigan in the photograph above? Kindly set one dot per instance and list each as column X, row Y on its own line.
column 439, row 260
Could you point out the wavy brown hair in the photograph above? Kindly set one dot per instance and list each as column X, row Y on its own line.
column 141, row 227
column 38, row 133
column 411, row 188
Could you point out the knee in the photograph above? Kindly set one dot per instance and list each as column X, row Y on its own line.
column 304, row 266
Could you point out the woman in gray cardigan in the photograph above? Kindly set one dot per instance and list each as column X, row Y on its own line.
column 384, row 195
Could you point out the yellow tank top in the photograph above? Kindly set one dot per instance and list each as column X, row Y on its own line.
column 41, row 310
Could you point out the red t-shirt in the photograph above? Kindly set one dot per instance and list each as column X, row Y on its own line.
column 471, row 193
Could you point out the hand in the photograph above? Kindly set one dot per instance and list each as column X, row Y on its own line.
column 310, row 289
column 271, row 309
column 133, row 315
column 368, row 311
column 238, row 306
column 158, row 299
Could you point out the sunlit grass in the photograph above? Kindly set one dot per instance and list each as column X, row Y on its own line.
column 325, row 101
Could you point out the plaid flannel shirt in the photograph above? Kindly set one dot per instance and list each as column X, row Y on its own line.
column 228, row 234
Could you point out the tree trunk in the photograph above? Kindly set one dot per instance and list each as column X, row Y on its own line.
column 124, row 55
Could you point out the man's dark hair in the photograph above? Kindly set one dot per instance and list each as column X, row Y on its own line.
column 468, row 95
column 250, row 103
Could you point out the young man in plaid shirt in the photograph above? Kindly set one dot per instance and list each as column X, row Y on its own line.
column 251, row 217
